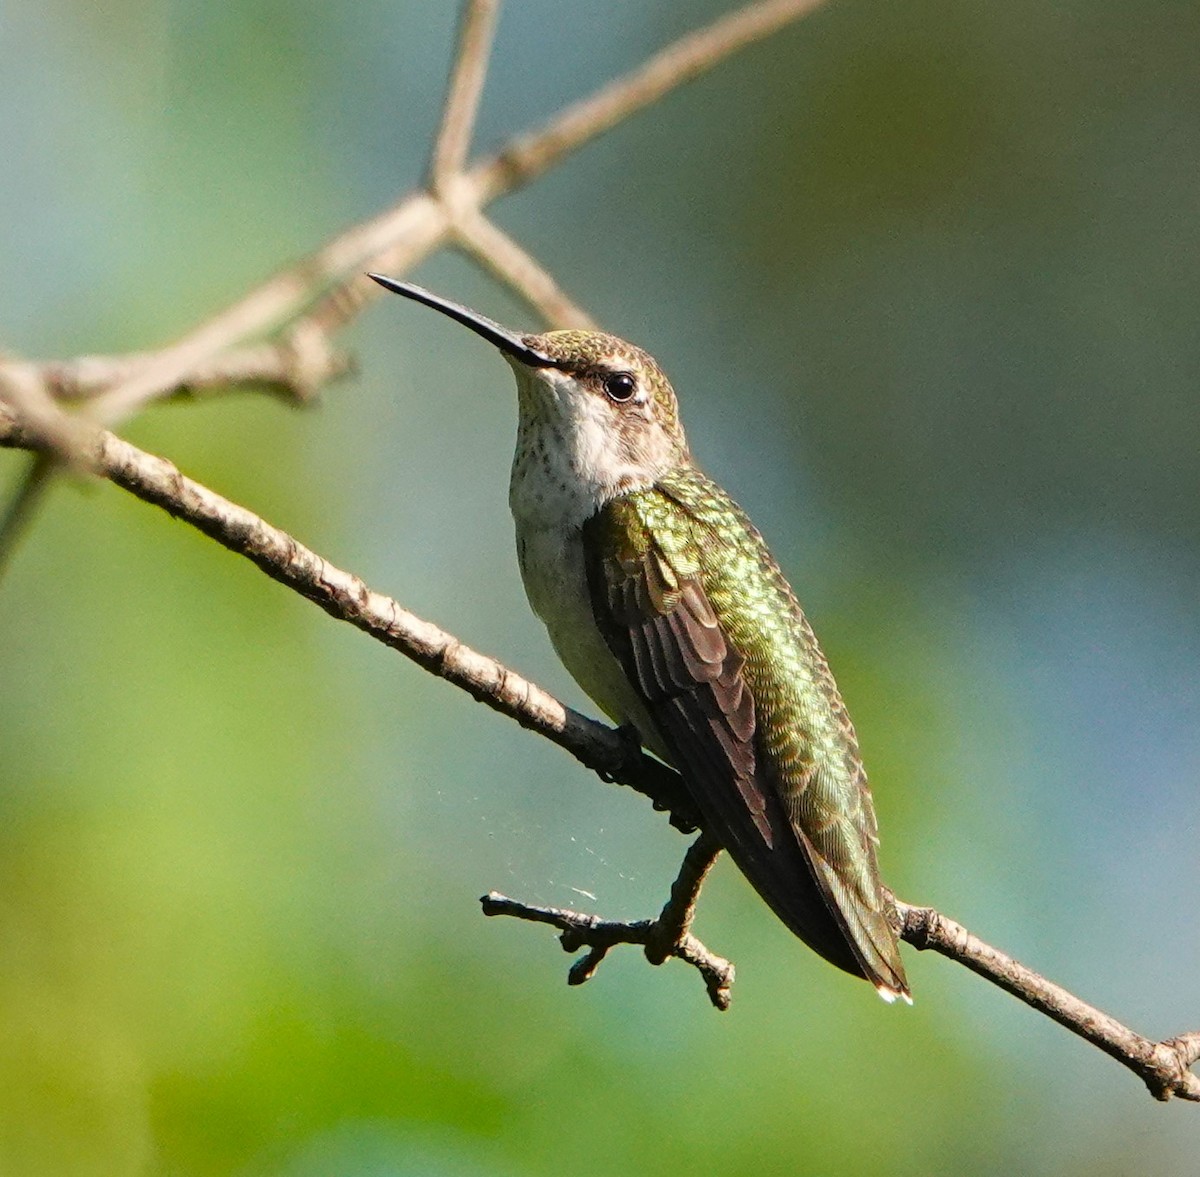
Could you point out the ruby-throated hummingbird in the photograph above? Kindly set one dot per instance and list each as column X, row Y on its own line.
column 663, row 602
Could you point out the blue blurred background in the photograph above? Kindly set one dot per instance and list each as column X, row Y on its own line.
column 925, row 276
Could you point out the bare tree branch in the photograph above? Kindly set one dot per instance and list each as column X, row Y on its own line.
column 323, row 292
column 528, row 156
column 410, row 232
column 397, row 239
column 343, row 595
column 477, row 29
column 295, row 368
column 21, row 509
column 1163, row 1066
column 23, row 388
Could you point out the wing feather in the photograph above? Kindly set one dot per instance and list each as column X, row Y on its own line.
column 661, row 625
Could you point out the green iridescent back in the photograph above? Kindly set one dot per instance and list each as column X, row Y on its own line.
column 803, row 732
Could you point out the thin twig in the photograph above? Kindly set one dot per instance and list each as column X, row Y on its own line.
column 526, row 156
column 408, row 233
column 19, row 512
column 476, row 31
column 24, row 394
column 1164, row 1066
column 661, row 939
column 294, row 368
column 501, row 256
column 23, row 389
column 694, row 54
column 675, row 920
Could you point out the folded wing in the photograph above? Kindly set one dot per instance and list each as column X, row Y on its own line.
column 779, row 824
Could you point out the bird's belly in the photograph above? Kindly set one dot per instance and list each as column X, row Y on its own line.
column 552, row 568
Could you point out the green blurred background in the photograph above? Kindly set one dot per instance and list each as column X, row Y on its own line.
column 926, row 278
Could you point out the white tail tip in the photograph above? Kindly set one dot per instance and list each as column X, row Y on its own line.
column 889, row 994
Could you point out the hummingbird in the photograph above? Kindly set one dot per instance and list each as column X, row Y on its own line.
column 663, row 602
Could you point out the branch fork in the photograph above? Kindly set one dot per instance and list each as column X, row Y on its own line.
column 250, row 342
column 663, row 938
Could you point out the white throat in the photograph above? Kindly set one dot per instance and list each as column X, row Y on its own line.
column 570, row 459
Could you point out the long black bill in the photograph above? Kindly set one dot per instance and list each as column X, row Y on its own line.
column 504, row 339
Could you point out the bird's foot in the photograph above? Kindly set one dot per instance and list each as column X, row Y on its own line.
column 652, row 778
column 631, row 742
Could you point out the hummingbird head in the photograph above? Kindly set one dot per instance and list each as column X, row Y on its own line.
column 606, row 400
column 594, row 408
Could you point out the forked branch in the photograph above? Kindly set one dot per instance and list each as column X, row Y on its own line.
column 323, row 288
column 318, row 296
column 666, row 936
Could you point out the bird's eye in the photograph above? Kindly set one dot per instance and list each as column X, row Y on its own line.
column 619, row 386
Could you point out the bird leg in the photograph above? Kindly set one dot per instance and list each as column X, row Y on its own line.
column 662, row 938
column 674, row 922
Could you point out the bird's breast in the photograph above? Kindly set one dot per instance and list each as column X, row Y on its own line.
column 553, row 571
